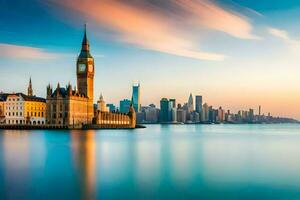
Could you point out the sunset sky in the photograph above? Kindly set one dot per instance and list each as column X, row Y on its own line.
column 235, row 53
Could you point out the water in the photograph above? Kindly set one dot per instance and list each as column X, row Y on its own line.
column 160, row 162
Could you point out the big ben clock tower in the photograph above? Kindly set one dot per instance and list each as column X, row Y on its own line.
column 85, row 69
column 85, row 75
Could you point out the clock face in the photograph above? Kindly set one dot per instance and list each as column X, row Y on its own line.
column 91, row 68
column 81, row 67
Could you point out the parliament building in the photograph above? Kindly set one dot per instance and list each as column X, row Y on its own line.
column 74, row 107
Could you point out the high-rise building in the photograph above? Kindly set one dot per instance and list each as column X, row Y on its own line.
column 136, row 97
column 125, row 105
column 181, row 115
column 190, row 103
column 199, row 105
column 221, row 115
column 205, row 113
column 172, row 103
column 164, row 110
column 151, row 114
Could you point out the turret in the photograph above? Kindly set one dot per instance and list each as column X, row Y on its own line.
column 49, row 90
column 69, row 89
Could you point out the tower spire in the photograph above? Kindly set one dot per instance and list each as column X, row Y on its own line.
column 85, row 41
column 30, row 90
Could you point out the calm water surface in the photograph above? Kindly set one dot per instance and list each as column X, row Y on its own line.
column 160, row 162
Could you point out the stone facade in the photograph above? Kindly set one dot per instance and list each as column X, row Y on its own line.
column 67, row 107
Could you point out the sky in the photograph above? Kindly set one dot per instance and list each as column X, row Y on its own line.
column 237, row 54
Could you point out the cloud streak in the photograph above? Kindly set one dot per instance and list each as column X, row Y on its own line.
column 208, row 14
column 24, row 52
column 167, row 27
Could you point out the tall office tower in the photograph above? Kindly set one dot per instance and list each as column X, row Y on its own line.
column 164, row 110
column 190, row 103
column 173, row 103
column 136, row 97
column 259, row 110
column 205, row 112
column 199, row 104
column 125, row 105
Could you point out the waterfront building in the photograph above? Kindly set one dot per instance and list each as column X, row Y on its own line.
column 181, row 115
column 199, row 105
column 24, row 109
column 125, row 105
column 205, row 113
column 2, row 108
column 173, row 114
column 221, row 115
column 101, row 105
column 136, row 96
column 151, row 114
column 66, row 106
column 116, row 120
column 164, row 110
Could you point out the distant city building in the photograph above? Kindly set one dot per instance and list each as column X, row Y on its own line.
column 164, row 110
column 172, row 103
column 173, row 114
column 190, row 104
column 181, row 115
column 30, row 90
column 221, row 115
column 111, row 107
column 136, row 96
column 205, row 112
column 199, row 104
column 125, row 105
column 151, row 114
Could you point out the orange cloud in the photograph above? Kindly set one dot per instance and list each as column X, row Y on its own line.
column 24, row 52
column 145, row 28
column 210, row 15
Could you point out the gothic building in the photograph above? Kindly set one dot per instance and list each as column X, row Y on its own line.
column 73, row 107
column 67, row 106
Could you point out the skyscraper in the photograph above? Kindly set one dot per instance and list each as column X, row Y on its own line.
column 199, row 104
column 136, row 97
column 190, row 103
column 164, row 110
column 173, row 103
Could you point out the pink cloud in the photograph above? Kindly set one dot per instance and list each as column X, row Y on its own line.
column 145, row 28
column 212, row 16
column 24, row 52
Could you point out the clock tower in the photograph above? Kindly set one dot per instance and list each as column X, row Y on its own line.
column 85, row 69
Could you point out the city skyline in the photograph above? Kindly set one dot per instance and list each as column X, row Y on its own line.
column 255, row 63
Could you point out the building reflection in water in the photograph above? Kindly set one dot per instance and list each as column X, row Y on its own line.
column 84, row 155
column 15, row 158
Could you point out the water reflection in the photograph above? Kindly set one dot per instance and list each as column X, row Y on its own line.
column 84, row 155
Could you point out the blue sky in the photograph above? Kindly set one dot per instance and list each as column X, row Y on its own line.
column 237, row 54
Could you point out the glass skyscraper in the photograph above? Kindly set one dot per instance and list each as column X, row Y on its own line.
column 136, row 97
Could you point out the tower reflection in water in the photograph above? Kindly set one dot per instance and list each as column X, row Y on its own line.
column 84, row 156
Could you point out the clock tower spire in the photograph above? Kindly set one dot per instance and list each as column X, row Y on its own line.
column 85, row 69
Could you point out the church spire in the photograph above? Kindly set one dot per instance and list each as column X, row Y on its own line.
column 30, row 90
